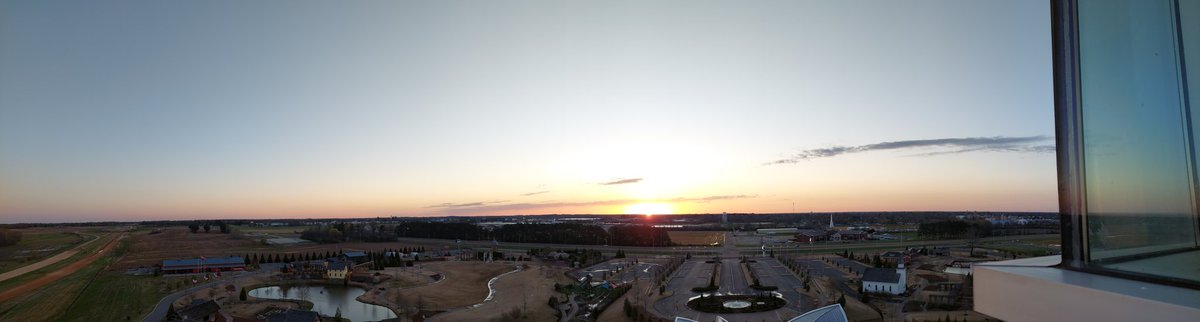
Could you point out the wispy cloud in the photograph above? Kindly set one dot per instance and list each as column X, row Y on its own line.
column 466, row 204
column 713, row 198
column 1034, row 144
column 493, row 207
column 535, row 193
column 621, row 181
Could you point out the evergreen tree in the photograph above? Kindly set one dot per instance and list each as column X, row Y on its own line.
column 628, row 308
column 242, row 296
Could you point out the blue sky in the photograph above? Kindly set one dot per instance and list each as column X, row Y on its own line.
column 132, row 110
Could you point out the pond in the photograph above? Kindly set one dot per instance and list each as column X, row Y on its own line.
column 327, row 299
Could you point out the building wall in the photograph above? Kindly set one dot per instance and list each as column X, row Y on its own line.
column 890, row 288
column 337, row 274
column 197, row 269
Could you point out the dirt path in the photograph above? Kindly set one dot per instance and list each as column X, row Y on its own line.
column 60, row 273
column 45, row 262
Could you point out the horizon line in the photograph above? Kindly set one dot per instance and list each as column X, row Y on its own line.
column 526, row 215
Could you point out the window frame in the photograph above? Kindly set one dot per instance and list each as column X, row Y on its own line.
column 1069, row 132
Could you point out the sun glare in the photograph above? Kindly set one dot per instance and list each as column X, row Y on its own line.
column 649, row 208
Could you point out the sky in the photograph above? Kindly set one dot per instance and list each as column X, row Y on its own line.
column 134, row 110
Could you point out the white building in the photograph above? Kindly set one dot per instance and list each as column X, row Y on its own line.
column 832, row 313
column 885, row 280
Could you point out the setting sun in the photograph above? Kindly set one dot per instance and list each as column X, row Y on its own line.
column 649, row 208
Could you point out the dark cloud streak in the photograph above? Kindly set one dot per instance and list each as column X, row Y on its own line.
column 621, row 181
column 956, row 145
column 466, row 204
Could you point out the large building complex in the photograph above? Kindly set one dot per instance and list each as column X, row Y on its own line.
column 203, row 265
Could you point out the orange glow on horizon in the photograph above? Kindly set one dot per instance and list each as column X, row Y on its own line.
column 650, row 209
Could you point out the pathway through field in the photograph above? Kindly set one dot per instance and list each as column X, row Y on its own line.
column 43, row 263
column 58, row 274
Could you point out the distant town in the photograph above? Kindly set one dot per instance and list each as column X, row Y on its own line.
column 906, row 266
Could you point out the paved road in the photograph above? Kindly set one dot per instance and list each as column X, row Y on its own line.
column 818, row 268
column 622, row 270
column 855, row 266
column 160, row 311
column 696, row 272
column 773, row 273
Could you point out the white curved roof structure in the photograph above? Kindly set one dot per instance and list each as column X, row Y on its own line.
column 832, row 313
column 683, row 319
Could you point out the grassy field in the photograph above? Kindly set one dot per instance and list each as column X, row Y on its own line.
column 97, row 292
column 83, row 252
column 35, row 245
column 47, row 303
column 282, row 230
column 50, row 301
column 137, row 296
column 699, row 238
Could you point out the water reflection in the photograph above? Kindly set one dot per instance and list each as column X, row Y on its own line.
column 327, row 299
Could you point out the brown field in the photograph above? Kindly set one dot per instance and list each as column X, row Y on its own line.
column 407, row 277
column 277, row 231
column 858, row 311
column 465, row 283
column 176, row 243
column 527, row 290
column 698, row 238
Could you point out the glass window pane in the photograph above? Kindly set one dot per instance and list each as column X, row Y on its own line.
column 1137, row 156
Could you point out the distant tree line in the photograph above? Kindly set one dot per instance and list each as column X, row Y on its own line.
column 639, row 235
column 339, row 232
column 952, row 229
column 322, row 234
column 379, row 258
column 9, row 237
column 207, row 225
column 441, row 230
column 552, row 234
column 563, row 233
